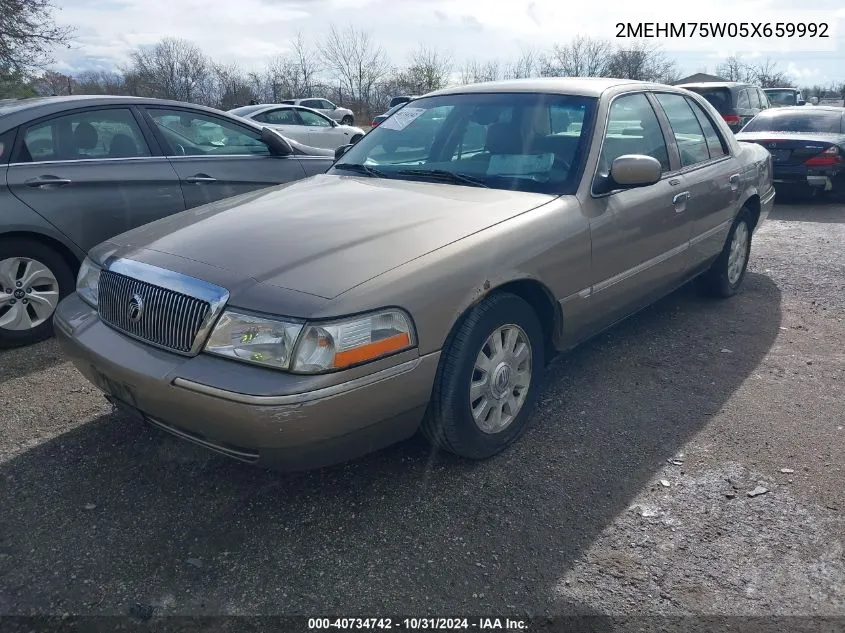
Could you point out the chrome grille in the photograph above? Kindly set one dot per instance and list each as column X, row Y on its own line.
column 165, row 317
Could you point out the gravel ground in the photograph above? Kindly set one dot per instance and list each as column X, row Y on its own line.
column 629, row 494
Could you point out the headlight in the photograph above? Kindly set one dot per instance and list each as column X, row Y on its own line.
column 88, row 282
column 254, row 339
column 338, row 344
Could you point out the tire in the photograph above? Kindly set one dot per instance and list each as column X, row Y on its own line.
column 449, row 423
column 347, row 120
column 721, row 279
column 55, row 282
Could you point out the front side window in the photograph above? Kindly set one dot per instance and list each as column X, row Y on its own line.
column 87, row 134
column 688, row 133
column 498, row 140
column 328, row 105
column 282, row 116
column 632, row 128
column 312, row 119
column 198, row 134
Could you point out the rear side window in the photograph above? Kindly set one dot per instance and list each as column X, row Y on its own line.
column 688, row 133
column 715, row 143
column 742, row 100
column 6, row 145
column 86, row 134
column 282, row 116
column 720, row 98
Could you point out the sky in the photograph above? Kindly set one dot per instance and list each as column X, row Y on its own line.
column 250, row 32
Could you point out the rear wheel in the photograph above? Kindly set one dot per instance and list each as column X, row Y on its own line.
column 725, row 276
column 488, row 379
column 347, row 120
column 33, row 279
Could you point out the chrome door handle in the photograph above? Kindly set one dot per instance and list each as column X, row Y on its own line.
column 680, row 201
column 48, row 181
column 734, row 180
column 200, row 178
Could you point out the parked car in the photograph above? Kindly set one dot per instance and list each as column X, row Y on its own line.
column 399, row 100
column 301, row 124
column 75, row 171
column 780, row 97
column 419, row 287
column 381, row 117
column 807, row 146
column 738, row 103
column 344, row 116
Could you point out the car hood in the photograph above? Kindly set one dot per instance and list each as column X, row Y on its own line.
column 322, row 235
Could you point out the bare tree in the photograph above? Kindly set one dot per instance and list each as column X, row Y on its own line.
column 429, row 70
column 477, row 72
column 734, row 69
column 766, row 75
column 94, row 82
column 642, row 61
column 308, row 65
column 28, row 34
column 582, row 57
column 51, row 84
column 355, row 61
column 233, row 88
column 525, row 66
column 173, row 69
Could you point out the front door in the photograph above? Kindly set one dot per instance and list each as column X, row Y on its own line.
column 216, row 158
column 92, row 174
column 639, row 236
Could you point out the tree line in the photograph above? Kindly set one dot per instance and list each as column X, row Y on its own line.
column 347, row 66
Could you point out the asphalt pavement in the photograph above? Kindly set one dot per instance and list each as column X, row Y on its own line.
column 688, row 461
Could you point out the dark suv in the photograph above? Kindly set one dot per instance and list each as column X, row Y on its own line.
column 738, row 103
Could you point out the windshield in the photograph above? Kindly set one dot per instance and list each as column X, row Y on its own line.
column 244, row 110
column 522, row 142
column 799, row 120
column 782, row 97
column 720, row 98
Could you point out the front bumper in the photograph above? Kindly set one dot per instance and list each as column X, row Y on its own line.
column 302, row 422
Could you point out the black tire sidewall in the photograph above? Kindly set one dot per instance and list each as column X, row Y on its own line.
column 347, row 120
column 11, row 247
column 458, row 424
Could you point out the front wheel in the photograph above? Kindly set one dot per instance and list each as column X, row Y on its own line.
column 488, row 379
column 347, row 120
column 725, row 276
column 33, row 278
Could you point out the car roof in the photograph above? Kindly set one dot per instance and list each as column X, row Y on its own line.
column 23, row 110
column 579, row 86
column 818, row 108
column 784, row 88
column 716, row 84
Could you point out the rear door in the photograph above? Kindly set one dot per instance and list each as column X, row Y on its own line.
column 93, row 173
column 711, row 177
column 216, row 157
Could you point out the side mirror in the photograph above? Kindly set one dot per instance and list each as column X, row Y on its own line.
column 801, row 102
column 278, row 145
column 340, row 151
column 334, row 123
column 635, row 170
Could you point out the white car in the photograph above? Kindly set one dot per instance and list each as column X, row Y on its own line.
column 344, row 116
column 301, row 124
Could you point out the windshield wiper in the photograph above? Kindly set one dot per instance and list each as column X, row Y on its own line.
column 442, row 174
column 372, row 172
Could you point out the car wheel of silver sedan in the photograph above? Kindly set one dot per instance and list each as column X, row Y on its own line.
column 488, row 378
column 33, row 278
column 725, row 276
column 347, row 120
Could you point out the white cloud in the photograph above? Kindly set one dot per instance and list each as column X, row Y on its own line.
column 252, row 31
